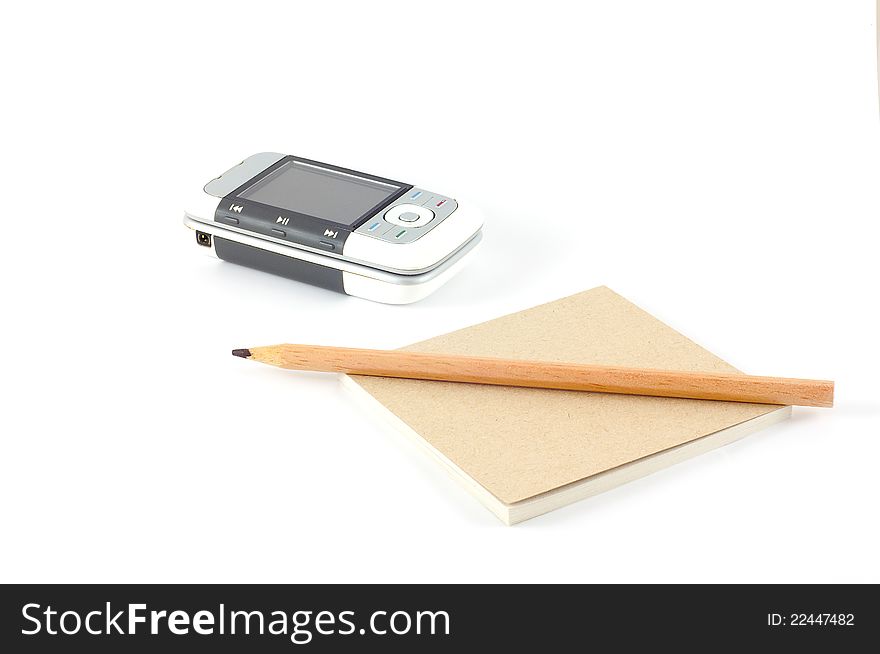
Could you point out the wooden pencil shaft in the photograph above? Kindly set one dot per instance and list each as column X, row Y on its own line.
column 542, row 374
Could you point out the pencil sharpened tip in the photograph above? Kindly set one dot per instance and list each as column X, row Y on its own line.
column 244, row 354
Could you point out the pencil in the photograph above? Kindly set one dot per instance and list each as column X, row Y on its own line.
column 544, row 374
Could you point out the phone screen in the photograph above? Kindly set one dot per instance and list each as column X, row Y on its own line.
column 320, row 192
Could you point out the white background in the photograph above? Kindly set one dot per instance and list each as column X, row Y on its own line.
column 716, row 163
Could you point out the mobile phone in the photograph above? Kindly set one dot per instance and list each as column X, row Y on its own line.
column 333, row 227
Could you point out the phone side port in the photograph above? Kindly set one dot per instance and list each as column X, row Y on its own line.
column 203, row 239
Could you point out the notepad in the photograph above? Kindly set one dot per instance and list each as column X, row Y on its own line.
column 522, row 451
